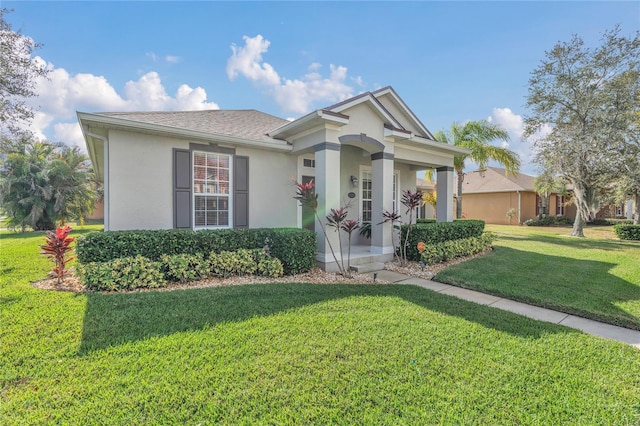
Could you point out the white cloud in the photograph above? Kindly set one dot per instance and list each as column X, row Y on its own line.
column 514, row 125
column 70, row 134
column 62, row 94
column 172, row 59
column 247, row 61
column 295, row 95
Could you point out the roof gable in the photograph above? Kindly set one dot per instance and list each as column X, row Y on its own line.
column 394, row 103
column 495, row 179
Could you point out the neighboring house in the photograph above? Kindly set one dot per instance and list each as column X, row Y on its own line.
column 426, row 210
column 490, row 194
column 236, row 168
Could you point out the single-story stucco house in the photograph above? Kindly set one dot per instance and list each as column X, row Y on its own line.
column 237, row 168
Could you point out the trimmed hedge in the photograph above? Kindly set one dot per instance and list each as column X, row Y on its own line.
column 442, row 252
column 439, row 232
column 296, row 248
column 627, row 232
column 610, row 221
column 425, row 220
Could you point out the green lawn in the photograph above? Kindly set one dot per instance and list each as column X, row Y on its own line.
column 597, row 277
column 293, row 354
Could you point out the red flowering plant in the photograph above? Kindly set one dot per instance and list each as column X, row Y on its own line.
column 57, row 247
column 392, row 217
column 411, row 200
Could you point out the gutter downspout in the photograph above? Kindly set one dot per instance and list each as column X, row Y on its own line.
column 519, row 207
column 105, row 173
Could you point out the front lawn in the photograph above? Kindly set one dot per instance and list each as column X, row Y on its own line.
column 293, row 354
column 596, row 277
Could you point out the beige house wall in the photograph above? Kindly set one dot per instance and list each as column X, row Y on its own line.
column 493, row 207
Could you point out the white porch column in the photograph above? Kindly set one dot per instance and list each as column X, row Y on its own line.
column 381, row 200
column 444, row 189
column 327, row 185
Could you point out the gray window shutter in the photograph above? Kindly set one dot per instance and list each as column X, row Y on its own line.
column 241, row 192
column 182, row 189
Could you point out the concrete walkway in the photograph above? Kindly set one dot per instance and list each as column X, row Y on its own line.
column 608, row 331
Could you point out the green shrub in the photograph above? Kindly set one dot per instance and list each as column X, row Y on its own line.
column 184, row 267
column 296, row 248
column 627, row 232
column 270, row 267
column 439, row 232
column 441, row 252
column 245, row 262
column 610, row 221
column 126, row 273
column 548, row 221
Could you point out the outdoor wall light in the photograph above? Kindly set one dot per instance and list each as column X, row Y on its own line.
column 354, row 180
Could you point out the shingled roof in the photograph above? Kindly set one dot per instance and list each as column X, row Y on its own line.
column 495, row 179
column 246, row 124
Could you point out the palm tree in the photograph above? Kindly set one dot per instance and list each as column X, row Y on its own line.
column 477, row 136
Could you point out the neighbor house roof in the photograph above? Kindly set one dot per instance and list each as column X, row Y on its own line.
column 246, row 124
column 495, row 179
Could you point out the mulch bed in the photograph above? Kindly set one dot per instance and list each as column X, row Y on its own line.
column 316, row 276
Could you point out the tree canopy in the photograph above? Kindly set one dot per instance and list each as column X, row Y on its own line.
column 477, row 136
column 589, row 98
column 42, row 184
column 18, row 75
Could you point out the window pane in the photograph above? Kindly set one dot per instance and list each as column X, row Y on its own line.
column 200, row 218
column 199, row 159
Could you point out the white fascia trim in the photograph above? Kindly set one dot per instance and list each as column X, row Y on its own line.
column 183, row 133
column 437, row 146
column 397, row 134
column 368, row 98
column 308, row 119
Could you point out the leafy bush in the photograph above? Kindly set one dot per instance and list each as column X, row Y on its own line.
column 296, row 248
column 548, row 221
column 126, row 273
column 244, row 262
column 627, row 232
column 185, row 267
column 439, row 232
column 441, row 252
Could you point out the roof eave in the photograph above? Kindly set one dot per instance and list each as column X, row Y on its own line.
column 115, row 122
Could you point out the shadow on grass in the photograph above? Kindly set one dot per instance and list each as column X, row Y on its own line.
column 574, row 242
column 574, row 286
column 114, row 319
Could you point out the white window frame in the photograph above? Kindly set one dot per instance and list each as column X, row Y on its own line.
column 559, row 205
column 395, row 190
column 363, row 170
column 195, row 194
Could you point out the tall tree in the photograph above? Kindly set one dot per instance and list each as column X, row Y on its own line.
column 477, row 136
column 18, row 75
column 588, row 97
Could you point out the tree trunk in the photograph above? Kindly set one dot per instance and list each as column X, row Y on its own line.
column 636, row 208
column 582, row 209
column 459, row 197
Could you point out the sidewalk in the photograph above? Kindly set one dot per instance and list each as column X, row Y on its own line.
column 608, row 331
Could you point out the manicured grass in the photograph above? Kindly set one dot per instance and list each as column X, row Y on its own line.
column 597, row 277
column 294, row 354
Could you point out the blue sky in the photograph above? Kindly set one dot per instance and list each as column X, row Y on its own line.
column 449, row 61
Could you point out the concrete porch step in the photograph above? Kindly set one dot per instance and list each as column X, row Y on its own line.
column 368, row 267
